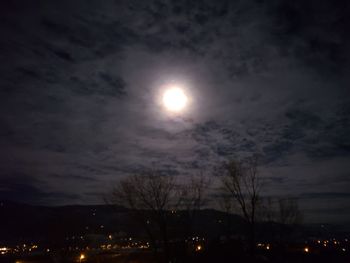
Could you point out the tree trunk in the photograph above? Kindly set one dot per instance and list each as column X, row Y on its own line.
column 252, row 238
column 166, row 251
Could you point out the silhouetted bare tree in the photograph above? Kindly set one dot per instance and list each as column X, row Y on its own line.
column 289, row 212
column 150, row 195
column 225, row 202
column 241, row 180
column 284, row 211
column 281, row 210
column 194, row 196
column 267, row 209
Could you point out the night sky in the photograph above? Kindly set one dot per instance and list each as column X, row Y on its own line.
column 80, row 83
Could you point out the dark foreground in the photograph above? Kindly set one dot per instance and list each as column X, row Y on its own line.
column 227, row 253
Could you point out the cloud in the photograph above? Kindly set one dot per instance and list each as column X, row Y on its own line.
column 80, row 87
column 325, row 195
column 26, row 189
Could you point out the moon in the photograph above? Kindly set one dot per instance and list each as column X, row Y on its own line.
column 174, row 99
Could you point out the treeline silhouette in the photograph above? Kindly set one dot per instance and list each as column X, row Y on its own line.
column 168, row 209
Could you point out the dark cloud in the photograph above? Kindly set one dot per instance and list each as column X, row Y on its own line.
column 325, row 195
column 74, row 177
column 27, row 189
column 80, row 83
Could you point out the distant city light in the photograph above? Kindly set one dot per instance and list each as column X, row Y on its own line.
column 4, row 250
column 130, row 244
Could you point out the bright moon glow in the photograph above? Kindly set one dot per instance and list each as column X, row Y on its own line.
column 174, row 99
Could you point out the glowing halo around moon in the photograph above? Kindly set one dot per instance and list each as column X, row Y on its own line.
column 174, row 99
